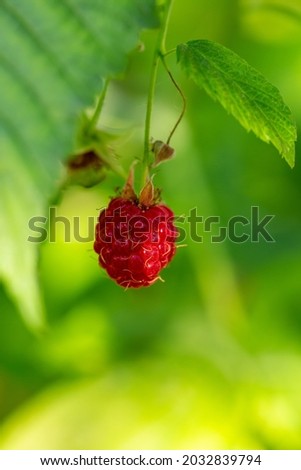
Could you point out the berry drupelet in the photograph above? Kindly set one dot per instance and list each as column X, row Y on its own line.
column 135, row 241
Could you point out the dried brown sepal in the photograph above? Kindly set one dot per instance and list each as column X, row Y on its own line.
column 82, row 161
column 128, row 191
column 157, row 196
column 162, row 152
column 85, row 169
column 149, row 195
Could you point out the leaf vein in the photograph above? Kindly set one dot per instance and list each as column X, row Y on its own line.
column 27, row 86
column 36, row 39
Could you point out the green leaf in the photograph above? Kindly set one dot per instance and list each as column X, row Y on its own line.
column 242, row 91
column 18, row 202
column 54, row 56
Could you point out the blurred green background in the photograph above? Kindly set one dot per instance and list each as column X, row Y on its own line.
column 212, row 357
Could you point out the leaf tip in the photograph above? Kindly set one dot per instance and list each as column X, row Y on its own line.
column 291, row 162
column 288, row 153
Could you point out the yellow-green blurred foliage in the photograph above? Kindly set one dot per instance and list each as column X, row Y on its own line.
column 212, row 357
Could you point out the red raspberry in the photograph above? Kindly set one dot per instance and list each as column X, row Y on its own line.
column 134, row 242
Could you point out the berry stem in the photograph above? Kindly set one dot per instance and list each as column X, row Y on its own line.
column 99, row 105
column 159, row 51
column 109, row 159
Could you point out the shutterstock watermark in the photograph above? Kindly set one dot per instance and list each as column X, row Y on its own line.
column 194, row 226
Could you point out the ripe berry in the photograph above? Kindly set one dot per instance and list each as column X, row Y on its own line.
column 134, row 241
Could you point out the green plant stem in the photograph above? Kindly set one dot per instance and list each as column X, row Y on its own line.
column 159, row 51
column 101, row 98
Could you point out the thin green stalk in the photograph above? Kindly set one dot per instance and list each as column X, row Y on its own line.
column 109, row 159
column 171, row 51
column 159, row 50
column 182, row 96
column 95, row 117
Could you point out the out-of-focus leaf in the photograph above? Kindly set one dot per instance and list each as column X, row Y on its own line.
column 19, row 200
column 53, row 58
column 242, row 91
column 174, row 406
column 276, row 21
